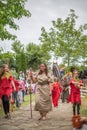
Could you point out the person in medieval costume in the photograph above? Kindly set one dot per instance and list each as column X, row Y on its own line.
column 56, row 91
column 6, row 84
column 43, row 102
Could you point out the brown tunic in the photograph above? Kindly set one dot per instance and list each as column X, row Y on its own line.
column 43, row 101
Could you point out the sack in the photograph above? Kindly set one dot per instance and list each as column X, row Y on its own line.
column 76, row 122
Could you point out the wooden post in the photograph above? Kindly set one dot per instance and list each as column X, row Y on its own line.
column 30, row 92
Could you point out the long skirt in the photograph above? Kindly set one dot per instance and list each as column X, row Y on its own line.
column 43, row 101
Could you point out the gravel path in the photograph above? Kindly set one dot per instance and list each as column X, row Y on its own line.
column 58, row 119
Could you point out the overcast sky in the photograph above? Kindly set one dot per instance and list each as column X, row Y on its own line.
column 43, row 12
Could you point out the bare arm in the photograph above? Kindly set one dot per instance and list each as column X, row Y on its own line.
column 77, row 84
column 34, row 79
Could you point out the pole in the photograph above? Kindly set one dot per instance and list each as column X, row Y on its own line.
column 31, row 101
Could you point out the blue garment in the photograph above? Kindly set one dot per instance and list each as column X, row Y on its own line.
column 15, row 96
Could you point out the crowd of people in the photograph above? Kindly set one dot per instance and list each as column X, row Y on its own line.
column 48, row 90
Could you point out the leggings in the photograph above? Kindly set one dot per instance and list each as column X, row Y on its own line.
column 76, row 108
column 6, row 104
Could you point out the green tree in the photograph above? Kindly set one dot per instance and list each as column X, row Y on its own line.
column 65, row 40
column 36, row 55
column 7, row 58
column 9, row 11
column 21, row 61
column 20, row 56
column 17, row 47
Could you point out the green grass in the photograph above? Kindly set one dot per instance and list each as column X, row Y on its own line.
column 1, row 112
column 27, row 100
column 84, row 107
column 25, row 103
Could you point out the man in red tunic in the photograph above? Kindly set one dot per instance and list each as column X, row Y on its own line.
column 6, row 84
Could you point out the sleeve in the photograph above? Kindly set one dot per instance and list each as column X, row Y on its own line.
column 16, row 82
column 10, row 78
column 50, row 80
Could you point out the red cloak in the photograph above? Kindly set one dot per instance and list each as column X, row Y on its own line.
column 56, row 93
column 74, row 96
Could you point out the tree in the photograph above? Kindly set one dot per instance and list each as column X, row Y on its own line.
column 7, row 58
column 9, row 11
column 36, row 55
column 21, row 61
column 20, row 56
column 65, row 40
column 17, row 46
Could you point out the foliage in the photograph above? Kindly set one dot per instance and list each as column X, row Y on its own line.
column 9, row 11
column 8, row 58
column 20, row 56
column 17, row 46
column 36, row 55
column 65, row 40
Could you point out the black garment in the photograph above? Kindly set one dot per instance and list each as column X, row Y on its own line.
column 65, row 92
column 6, row 104
column 76, row 108
column 65, row 95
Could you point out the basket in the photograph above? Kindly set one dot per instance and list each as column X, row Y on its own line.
column 76, row 122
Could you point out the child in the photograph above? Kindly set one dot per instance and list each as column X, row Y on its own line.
column 20, row 98
column 56, row 90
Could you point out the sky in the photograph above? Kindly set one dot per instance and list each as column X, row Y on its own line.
column 42, row 13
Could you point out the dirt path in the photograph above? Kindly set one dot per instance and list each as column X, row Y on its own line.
column 58, row 119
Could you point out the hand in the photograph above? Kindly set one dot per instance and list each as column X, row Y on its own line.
column 30, row 73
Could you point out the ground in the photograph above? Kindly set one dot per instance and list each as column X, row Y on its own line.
column 58, row 119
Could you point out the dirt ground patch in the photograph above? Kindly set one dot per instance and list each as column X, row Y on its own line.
column 58, row 119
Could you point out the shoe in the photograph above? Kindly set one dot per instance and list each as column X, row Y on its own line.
column 6, row 116
column 9, row 116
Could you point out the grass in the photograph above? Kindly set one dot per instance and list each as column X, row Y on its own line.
column 27, row 100
column 25, row 103
column 84, row 107
column 1, row 112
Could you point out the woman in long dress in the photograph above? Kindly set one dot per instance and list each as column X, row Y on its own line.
column 43, row 102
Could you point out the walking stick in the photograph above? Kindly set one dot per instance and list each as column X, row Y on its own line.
column 30, row 92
